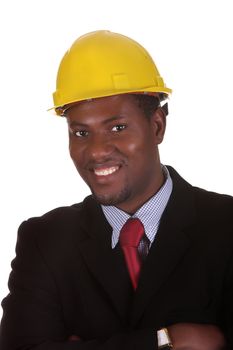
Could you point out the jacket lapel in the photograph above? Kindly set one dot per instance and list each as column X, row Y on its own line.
column 104, row 263
column 108, row 267
column 170, row 245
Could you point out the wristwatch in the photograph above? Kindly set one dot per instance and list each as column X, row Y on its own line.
column 164, row 341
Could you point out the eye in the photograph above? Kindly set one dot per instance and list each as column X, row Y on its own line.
column 119, row 127
column 81, row 133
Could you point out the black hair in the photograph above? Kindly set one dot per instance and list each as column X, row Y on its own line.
column 149, row 103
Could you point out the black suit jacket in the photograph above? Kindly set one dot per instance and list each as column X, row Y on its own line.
column 67, row 280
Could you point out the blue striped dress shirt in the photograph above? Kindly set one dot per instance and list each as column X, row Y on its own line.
column 149, row 214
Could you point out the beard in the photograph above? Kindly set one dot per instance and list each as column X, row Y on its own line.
column 114, row 199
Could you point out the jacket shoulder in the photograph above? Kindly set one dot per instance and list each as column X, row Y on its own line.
column 205, row 201
column 65, row 212
column 60, row 222
column 215, row 203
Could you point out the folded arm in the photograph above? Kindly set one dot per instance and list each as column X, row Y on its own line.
column 33, row 315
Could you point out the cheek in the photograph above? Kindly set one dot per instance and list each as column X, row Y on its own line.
column 72, row 150
column 75, row 152
column 132, row 143
column 140, row 145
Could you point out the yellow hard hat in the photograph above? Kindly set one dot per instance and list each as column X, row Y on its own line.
column 103, row 63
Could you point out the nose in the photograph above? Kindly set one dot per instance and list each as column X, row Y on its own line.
column 99, row 148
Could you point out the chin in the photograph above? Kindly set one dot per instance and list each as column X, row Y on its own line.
column 112, row 199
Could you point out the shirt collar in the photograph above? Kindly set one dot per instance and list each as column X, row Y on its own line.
column 149, row 214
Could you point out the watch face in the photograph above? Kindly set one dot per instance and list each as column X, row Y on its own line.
column 164, row 341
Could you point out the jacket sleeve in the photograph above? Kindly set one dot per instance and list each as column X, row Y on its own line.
column 32, row 312
column 227, row 306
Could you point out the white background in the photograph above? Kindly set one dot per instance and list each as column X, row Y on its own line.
column 191, row 43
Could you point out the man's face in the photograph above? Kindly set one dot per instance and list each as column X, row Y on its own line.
column 114, row 148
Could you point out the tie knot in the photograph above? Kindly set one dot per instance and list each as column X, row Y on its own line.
column 131, row 233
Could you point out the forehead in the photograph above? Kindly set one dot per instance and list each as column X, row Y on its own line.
column 105, row 105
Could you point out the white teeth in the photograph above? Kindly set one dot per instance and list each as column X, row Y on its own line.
column 105, row 172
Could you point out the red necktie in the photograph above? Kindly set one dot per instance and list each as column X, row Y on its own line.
column 130, row 237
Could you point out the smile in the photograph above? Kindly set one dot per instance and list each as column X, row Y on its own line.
column 106, row 171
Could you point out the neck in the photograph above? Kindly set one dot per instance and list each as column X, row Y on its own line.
column 132, row 205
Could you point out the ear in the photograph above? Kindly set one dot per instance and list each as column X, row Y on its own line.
column 158, row 121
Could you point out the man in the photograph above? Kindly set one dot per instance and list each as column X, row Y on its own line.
column 80, row 280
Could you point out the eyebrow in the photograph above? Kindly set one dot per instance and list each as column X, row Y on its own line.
column 107, row 121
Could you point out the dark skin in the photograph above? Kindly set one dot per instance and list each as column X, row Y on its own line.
column 115, row 150
column 191, row 336
column 111, row 134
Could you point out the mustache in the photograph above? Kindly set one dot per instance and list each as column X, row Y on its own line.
column 105, row 162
